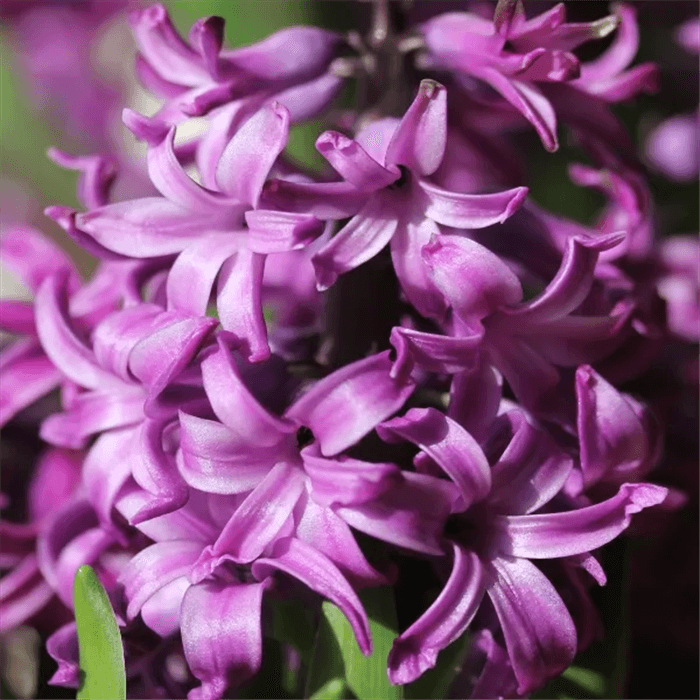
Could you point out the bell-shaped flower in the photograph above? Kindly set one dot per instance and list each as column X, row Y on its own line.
column 387, row 192
column 496, row 529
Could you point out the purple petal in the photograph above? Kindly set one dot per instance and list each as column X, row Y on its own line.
column 32, row 257
column 62, row 647
column 246, row 161
column 471, row 210
column 207, row 37
column 551, row 535
column 419, row 140
column 279, row 232
column 161, row 612
column 221, row 635
column 346, row 481
column 257, row 521
column 411, row 515
column 298, row 559
column 358, row 241
column 446, row 442
column 539, row 632
column 97, row 175
column 155, row 567
column 59, row 340
column 474, row 280
column 346, row 405
column 353, row 163
column 327, row 533
column 239, row 303
column 325, row 200
column 435, row 353
column 17, row 317
column 571, row 284
column 217, row 460
column 235, row 406
column 308, row 100
column 531, row 470
column 416, row 650
column 23, row 593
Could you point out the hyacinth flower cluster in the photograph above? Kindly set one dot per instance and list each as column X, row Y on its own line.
column 284, row 385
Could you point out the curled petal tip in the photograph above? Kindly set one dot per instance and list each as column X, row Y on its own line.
column 153, row 131
column 431, row 88
column 515, row 203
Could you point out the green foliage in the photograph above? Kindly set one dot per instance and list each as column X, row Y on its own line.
column 103, row 676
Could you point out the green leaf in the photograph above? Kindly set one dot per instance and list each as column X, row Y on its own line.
column 335, row 689
column 102, row 671
column 336, row 654
column 435, row 682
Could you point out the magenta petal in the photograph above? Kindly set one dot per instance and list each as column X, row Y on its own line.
column 235, row 406
column 215, row 459
column 325, row 200
column 471, row 210
column 307, row 100
column 531, row 470
column 23, row 593
column 551, row 535
column 279, row 232
column 353, row 163
column 450, row 445
column 358, row 241
column 207, row 37
column 28, row 376
column 62, row 647
column 616, row 433
column 97, row 175
column 346, row 405
column 327, row 533
column 346, row 481
column 436, row 353
column 571, row 284
column 32, row 257
column 420, row 138
column 17, row 317
column 239, row 302
column 474, row 280
column 416, row 649
column 540, row 634
column 222, row 635
column 410, row 515
column 59, row 340
column 161, row 612
column 155, row 567
column 475, row 397
column 298, row 559
column 246, row 161
column 258, row 520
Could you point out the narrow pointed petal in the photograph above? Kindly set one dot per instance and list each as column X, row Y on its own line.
column 452, row 447
column 474, row 280
column 327, row 533
column 215, row 459
column 193, row 273
column 62, row 647
column 97, row 175
column 308, row 100
column 540, row 634
column 32, row 257
column 420, row 138
column 530, row 102
column 246, row 161
column 207, row 37
column 61, row 344
column 346, row 405
column 410, row 515
column 23, row 593
column 222, row 635
column 155, row 567
column 471, row 210
column 303, row 562
column 357, row 242
column 279, row 232
column 416, row 650
column 475, row 397
column 435, row 353
column 552, row 535
column 346, row 481
column 616, row 433
column 239, row 303
column 325, row 200
column 531, row 470
column 571, row 284
column 235, row 406
column 353, row 163
column 257, row 521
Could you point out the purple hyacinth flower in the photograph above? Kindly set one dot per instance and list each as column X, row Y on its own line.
column 496, row 530
column 387, row 192
column 673, row 147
